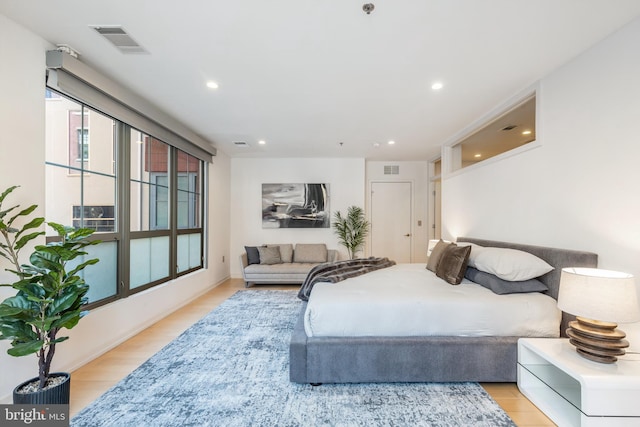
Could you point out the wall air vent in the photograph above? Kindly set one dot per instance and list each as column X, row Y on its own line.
column 392, row 170
column 119, row 38
column 241, row 144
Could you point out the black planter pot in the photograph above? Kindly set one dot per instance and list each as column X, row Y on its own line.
column 58, row 395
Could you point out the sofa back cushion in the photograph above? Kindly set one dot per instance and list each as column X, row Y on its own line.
column 310, row 252
column 269, row 255
column 286, row 251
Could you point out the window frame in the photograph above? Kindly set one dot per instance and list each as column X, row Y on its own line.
column 122, row 234
column 448, row 155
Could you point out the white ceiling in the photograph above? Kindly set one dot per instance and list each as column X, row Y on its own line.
column 306, row 75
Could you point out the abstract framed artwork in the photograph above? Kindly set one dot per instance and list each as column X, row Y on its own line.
column 295, row 206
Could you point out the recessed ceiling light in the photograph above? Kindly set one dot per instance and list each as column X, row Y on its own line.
column 212, row 85
column 262, row 142
column 477, row 155
column 437, row 86
column 391, row 142
column 526, row 132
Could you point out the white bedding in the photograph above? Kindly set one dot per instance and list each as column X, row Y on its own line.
column 409, row 300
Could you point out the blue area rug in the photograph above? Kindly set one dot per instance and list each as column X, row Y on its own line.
column 232, row 369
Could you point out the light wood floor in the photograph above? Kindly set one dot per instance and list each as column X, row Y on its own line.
column 94, row 378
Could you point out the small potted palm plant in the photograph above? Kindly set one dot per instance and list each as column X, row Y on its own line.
column 50, row 296
column 351, row 229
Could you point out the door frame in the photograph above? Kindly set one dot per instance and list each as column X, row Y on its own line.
column 434, row 215
column 412, row 230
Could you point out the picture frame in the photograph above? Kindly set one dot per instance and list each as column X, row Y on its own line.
column 295, row 205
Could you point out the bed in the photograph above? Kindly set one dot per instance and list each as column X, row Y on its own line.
column 431, row 357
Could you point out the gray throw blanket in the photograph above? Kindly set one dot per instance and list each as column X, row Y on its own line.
column 339, row 270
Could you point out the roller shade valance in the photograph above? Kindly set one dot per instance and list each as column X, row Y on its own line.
column 71, row 77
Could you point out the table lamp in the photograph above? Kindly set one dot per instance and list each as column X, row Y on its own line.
column 599, row 299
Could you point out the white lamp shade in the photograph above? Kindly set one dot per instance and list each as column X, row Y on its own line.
column 605, row 295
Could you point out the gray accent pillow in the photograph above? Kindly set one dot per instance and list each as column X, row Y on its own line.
column 269, row 255
column 453, row 263
column 310, row 252
column 501, row 286
column 286, row 251
column 436, row 254
column 253, row 256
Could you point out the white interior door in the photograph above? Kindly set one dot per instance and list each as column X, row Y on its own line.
column 391, row 220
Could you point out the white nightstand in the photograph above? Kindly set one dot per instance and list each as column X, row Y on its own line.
column 574, row 391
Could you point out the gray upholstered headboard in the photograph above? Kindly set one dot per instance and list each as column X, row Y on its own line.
column 558, row 258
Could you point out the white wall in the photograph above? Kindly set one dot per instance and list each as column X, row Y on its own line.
column 219, row 220
column 346, row 179
column 22, row 120
column 417, row 173
column 22, row 154
column 581, row 188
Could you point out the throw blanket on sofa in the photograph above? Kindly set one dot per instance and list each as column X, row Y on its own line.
column 339, row 270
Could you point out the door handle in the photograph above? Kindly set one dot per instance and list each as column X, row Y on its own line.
column 407, row 235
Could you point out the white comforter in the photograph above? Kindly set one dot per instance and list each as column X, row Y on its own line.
column 409, row 300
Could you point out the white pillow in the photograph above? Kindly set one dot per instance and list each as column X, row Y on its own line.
column 475, row 250
column 508, row 264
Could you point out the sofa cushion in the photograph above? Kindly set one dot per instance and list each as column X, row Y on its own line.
column 286, row 268
column 310, row 252
column 269, row 255
column 286, row 251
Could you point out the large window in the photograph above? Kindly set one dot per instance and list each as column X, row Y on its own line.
column 141, row 195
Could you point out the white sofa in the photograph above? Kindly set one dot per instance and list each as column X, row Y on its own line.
column 282, row 263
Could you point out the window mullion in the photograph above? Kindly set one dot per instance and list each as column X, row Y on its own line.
column 82, row 167
column 173, row 211
column 123, row 164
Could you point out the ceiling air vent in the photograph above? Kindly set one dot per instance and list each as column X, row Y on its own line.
column 510, row 127
column 391, row 170
column 119, row 38
column 240, row 144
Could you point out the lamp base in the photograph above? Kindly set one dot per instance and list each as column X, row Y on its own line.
column 597, row 341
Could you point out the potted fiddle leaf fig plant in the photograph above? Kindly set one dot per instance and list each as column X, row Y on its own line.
column 50, row 295
column 351, row 229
